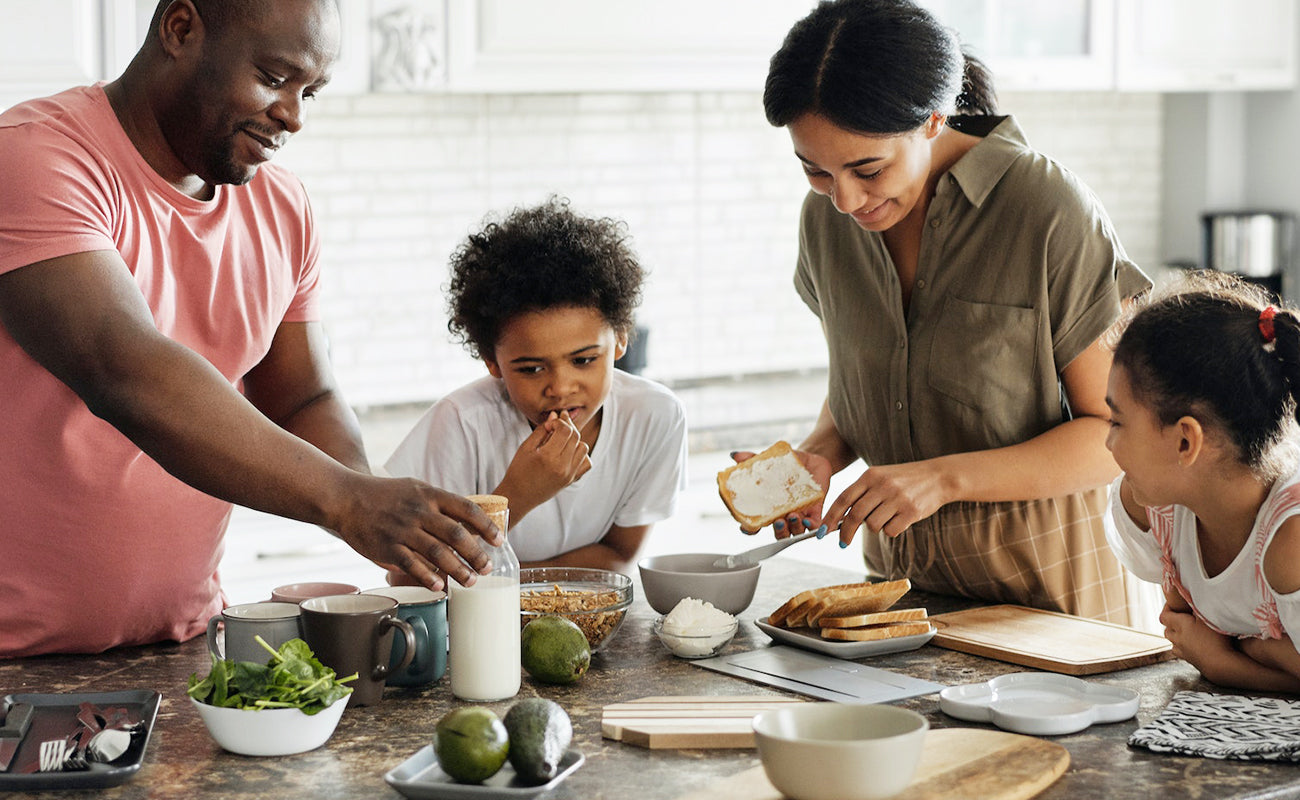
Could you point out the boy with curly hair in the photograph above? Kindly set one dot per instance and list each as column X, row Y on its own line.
column 590, row 457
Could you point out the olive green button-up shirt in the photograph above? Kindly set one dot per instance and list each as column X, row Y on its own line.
column 1019, row 272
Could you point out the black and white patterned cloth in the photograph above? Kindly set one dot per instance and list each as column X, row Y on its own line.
column 1224, row 726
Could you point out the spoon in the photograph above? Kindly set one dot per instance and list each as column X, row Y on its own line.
column 751, row 557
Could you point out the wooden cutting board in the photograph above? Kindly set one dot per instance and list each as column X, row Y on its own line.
column 1048, row 640
column 957, row 764
column 687, row 722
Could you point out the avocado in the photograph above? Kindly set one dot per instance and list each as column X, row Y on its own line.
column 554, row 650
column 540, row 732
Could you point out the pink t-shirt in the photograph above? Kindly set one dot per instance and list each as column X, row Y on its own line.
column 99, row 547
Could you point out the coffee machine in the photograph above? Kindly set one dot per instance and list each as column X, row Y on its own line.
column 1257, row 245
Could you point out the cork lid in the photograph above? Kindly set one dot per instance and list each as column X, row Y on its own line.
column 490, row 503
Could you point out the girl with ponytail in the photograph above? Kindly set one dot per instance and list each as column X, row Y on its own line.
column 1202, row 395
column 963, row 281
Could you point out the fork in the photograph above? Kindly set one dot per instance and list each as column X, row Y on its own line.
column 52, row 755
column 60, row 755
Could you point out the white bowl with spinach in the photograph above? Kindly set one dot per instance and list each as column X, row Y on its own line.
column 291, row 704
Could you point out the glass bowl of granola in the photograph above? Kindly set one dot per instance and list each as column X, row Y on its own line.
column 596, row 600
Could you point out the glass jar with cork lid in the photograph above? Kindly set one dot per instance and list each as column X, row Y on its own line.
column 483, row 620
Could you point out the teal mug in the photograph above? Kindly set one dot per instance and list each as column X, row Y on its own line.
column 426, row 612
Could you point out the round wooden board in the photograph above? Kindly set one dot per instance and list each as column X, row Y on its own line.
column 956, row 763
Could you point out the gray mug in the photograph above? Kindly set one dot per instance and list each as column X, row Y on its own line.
column 426, row 612
column 276, row 623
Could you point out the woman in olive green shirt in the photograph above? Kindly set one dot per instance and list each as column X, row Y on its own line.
column 964, row 282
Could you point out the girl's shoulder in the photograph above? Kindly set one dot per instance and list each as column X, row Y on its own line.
column 1280, row 525
column 1282, row 559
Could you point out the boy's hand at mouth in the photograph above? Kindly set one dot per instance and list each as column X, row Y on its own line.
column 552, row 457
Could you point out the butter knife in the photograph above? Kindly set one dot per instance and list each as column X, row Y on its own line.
column 16, row 722
column 751, row 557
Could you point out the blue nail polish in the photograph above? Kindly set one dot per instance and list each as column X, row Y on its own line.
column 843, row 545
column 779, row 524
column 807, row 523
column 821, row 531
column 733, row 453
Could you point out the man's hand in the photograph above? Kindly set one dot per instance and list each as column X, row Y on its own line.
column 419, row 530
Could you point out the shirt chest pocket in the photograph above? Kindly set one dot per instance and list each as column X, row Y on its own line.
column 984, row 356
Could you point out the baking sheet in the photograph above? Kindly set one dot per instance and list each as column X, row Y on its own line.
column 820, row 676
column 809, row 639
column 55, row 716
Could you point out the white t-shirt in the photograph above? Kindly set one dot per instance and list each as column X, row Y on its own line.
column 1238, row 601
column 465, row 442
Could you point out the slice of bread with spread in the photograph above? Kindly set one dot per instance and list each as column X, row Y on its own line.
column 766, row 487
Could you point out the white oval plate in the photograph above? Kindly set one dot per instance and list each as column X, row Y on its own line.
column 1039, row 703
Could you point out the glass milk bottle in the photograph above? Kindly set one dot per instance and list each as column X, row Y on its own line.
column 483, row 620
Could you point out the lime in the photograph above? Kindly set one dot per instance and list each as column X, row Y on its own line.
column 554, row 650
column 471, row 744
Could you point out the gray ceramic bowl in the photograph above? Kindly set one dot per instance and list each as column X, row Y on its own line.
column 669, row 578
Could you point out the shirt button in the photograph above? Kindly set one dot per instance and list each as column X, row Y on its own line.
column 899, row 405
column 934, row 223
column 920, row 284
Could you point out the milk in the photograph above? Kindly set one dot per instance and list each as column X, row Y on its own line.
column 483, row 620
column 483, row 631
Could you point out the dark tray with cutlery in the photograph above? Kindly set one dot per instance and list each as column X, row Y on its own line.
column 60, row 717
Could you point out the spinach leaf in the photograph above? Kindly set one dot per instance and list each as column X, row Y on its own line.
column 292, row 678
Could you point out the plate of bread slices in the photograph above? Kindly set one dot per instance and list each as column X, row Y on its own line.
column 850, row 620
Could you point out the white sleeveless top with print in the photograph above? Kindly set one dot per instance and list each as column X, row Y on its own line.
column 1238, row 601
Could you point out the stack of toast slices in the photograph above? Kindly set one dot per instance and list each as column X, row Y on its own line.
column 856, row 612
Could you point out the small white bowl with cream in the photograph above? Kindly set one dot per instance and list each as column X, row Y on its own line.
column 695, row 629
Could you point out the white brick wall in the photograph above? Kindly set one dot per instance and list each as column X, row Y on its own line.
column 710, row 193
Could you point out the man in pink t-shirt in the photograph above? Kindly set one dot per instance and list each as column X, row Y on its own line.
column 161, row 346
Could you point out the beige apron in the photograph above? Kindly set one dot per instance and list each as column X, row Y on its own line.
column 1050, row 554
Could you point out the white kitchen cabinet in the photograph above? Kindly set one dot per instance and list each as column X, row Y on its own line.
column 1037, row 44
column 598, row 45
column 1205, row 45
column 49, row 46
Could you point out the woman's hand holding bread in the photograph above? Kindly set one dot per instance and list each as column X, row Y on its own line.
column 780, row 486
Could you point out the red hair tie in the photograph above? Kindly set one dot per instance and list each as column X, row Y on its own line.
column 1266, row 324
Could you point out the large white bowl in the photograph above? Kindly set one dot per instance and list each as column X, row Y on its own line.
column 270, row 732
column 667, row 579
column 840, row 751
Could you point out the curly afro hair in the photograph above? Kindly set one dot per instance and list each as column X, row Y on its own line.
column 535, row 259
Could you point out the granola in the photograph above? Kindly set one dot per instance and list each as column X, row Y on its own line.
column 597, row 625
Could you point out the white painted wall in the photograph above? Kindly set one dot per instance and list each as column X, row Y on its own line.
column 710, row 192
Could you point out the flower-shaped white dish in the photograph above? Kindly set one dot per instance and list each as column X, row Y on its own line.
column 1039, row 703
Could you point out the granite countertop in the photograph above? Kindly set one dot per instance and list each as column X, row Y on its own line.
column 182, row 760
